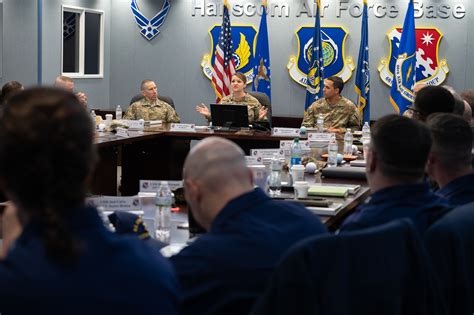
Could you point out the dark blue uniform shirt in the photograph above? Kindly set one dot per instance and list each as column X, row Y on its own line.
column 114, row 275
column 225, row 270
column 459, row 191
column 414, row 201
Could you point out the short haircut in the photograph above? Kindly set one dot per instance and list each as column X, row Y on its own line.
column 142, row 85
column 433, row 99
column 64, row 78
column 337, row 83
column 468, row 96
column 458, row 101
column 241, row 76
column 9, row 89
column 452, row 140
column 402, row 146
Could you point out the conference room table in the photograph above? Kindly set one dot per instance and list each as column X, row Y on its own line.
column 158, row 154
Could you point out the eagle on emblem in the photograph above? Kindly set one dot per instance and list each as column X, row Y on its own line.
column 150, row 28
column 261, row 74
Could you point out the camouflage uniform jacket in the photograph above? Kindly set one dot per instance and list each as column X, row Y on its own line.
column 344, row 114
column 253, row 105
column 157, row 110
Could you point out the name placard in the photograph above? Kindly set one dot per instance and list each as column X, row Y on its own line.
column 320, row 136
column 134, row 124
column 183, row 127
column 122, row 132
column 266, row 153
column 253, row 160
column 286, row 132
column 111, row 203
column 154, row 185
column 285, row 145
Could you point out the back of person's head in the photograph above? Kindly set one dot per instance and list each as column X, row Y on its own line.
column 458, row 108
column 468, row 96
column 9, row 89
column 433, row 99
column 401, row 146
column 46, row 155
column 452, row 141
column 337, row 83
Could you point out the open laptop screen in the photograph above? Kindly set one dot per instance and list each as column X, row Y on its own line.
column 229, row 115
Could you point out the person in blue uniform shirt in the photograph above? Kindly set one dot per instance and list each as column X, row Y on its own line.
column 396, row 161
column 227, row 268
column 450, row 162
column 60, row 257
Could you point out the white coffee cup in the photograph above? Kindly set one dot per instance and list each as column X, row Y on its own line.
column 301, row 189
column 108, row 118
column 297, row 172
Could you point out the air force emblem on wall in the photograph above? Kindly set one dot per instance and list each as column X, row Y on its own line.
column 428, row 68
column 335, row 63
column 150, row 28
column 244, row 38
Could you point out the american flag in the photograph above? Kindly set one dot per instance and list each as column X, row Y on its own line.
column 224, row 66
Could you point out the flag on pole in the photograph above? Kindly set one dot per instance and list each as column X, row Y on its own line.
column 224, row 66
column 261, row 70
column 404, row 74
column 315, row 77
column 362, row 82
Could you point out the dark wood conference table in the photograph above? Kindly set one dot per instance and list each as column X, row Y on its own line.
column 158, row 154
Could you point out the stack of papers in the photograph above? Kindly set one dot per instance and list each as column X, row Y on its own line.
column 331, row 191
column 352, row 189
column 150, row 123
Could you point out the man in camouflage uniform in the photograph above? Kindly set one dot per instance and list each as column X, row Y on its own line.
column 339, row 112
column 150, row 107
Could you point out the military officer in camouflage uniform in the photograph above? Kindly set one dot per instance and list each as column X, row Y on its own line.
column 150, row 107
column 239, row 97
column 339, row 112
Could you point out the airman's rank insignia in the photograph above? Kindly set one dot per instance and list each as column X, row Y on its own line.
column 150, row 28
column 335, row 62
column 429, row 68
column 244, row 38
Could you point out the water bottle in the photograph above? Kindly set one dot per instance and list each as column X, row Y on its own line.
column 118, row 112
column 295, row 153
column 164, row 199
column 348, row 139
column 366, row 132
column 93, row 116
column 274, row 180
column 332, row 152
column 320, row 123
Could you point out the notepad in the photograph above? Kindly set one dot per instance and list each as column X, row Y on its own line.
column 328, row 211
column 332, row 191
column 352, row 189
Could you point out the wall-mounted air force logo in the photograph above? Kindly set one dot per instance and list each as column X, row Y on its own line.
column 335, row 63
column 150, row 28
column 244, row 38
column 428, row 68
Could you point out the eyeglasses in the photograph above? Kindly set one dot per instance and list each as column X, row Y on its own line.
column 412, row 112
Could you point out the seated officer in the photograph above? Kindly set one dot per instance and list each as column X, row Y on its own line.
column 431, row 99
column 396, row 160
column 450, row 159
column 225, row 270
column 63, row 260
column 150, row 107
column 339, row 112
column 67, row 83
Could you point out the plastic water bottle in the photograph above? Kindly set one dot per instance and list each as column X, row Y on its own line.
column 274, row 180
column 366, row 132
column 348, row 140
column 164, row 199
column 93, row 116
column 320, row 123
column 332, row 152
column 118, row 112
column 295, row 153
